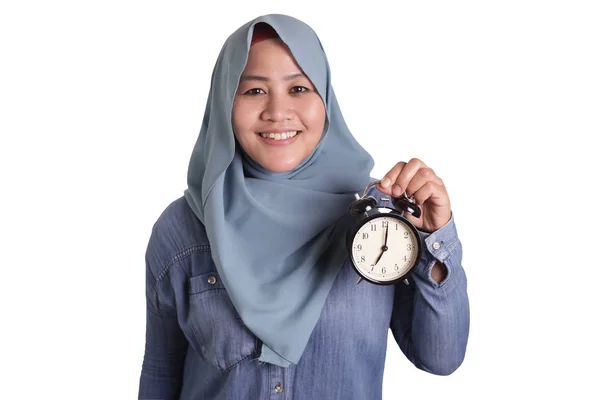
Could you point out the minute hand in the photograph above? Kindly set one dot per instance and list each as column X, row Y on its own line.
column 386, row 236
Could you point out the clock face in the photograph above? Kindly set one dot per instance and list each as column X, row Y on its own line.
column 381, row 260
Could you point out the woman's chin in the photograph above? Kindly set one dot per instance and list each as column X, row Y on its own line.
column 279, row 166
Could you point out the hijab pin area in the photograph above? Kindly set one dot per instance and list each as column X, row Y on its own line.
column 383, row 246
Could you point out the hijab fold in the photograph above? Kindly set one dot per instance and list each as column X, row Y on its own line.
column 277, row 239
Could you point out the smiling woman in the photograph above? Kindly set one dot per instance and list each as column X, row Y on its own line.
column 250, row 291
column 278, row 116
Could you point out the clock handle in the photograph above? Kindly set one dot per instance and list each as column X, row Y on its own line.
column 405, row 205
column 368, row 186
column 362, row 205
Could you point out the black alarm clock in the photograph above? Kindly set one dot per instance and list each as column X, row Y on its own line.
column 383, row 246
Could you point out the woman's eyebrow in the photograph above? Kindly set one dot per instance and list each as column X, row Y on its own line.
column 266, row 79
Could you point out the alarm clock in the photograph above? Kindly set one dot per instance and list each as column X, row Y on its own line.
column 383, row 246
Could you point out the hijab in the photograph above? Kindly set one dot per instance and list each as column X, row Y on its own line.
column 277, row 239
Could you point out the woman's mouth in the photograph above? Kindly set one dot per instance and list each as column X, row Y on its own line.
column 279, row 138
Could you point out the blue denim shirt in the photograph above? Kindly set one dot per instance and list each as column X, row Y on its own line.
column 197, row 347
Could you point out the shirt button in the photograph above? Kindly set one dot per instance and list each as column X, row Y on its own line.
column 212, row 280
column 278, row 388
column 437, row 246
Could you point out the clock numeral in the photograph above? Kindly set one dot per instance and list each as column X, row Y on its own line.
column 397, row 227
column 359, row 247
column 405, row 235
column 405, row 258
column 396, row 267
column 383, row 270
column 373, row 228
column 362, row 258
column 384, row 224
column 365, row 235
column 409, row 246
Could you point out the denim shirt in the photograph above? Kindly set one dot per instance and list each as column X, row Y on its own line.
column 197, row 346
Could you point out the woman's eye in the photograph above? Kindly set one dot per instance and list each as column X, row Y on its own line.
column 299, row 89
column 254, row 91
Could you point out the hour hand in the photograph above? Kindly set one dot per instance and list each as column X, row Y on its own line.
column 384, row 247
column 379, row 258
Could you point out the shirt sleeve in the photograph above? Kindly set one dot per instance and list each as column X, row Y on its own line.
column 166, row 345
column 430, row 320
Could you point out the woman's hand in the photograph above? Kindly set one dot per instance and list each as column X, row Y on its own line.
column 429, row 192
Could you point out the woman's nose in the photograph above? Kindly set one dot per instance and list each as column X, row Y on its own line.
column 277, row 108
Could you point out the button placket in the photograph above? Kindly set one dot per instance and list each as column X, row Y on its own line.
column 276, row 382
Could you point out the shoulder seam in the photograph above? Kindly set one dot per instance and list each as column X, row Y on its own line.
column 176, row 258
column 201, row 248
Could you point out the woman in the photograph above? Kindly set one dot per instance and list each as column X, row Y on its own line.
column 249, row 289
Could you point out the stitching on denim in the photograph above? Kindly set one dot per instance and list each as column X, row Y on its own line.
column 180, row 256
column 450, row 276
column 456, row 244
column 428, row 270
column 245, row 358
column 205, row 290
column 176, row 258
column 255, row 353
column 450, row 248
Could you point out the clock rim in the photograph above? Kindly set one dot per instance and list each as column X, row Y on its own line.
column 377, row 214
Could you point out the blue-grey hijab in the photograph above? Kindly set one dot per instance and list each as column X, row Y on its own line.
column 277, row 239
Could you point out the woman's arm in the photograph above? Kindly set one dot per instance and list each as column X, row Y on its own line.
column 430, row 320
column 166, row 345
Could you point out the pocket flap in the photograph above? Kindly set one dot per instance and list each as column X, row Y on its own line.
column 204, row 282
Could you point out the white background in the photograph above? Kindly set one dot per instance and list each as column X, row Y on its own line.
column 100, row 107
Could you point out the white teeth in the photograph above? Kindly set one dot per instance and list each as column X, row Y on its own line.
column 279, row 136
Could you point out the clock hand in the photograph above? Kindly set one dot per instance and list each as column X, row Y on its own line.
column 384, row 247
column 386, row 236
column 379, row 258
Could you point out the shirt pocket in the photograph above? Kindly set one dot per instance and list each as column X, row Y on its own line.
column 224, row 339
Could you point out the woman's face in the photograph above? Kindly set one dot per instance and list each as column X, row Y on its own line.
column 278, row 116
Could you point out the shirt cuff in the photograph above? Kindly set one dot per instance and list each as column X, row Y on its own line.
column 440, row 244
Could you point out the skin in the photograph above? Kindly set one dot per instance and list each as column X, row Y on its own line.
column 274, row 95
column 429, row 192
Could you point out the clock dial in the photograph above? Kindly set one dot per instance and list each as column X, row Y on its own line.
column 381, row 260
